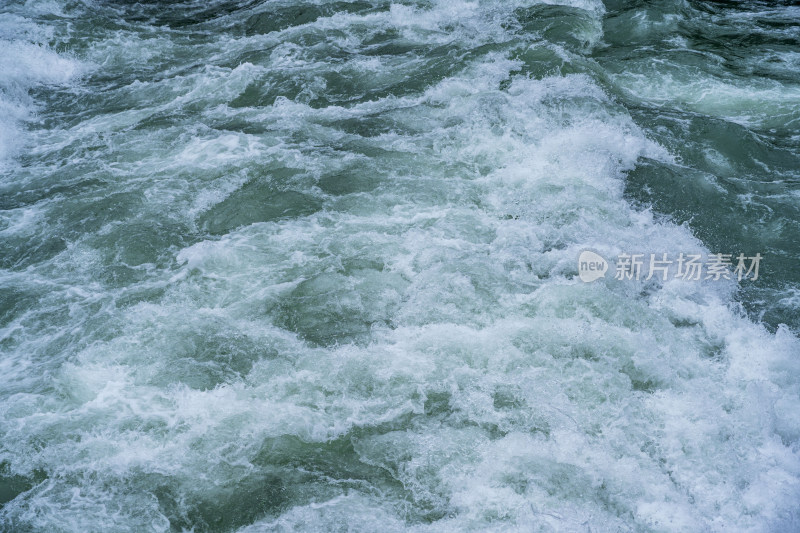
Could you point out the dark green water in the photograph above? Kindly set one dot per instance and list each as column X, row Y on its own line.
column 287, row 266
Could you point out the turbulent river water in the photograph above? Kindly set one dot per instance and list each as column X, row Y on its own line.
column 277, row 265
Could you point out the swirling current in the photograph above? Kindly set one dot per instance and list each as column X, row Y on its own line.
column 312, row 265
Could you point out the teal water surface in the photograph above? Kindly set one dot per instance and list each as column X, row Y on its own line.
column 272, row 265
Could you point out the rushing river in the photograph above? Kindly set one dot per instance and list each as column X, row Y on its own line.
column 277, row 265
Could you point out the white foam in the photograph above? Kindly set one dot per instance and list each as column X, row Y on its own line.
column 494, row 390
column 25, row 65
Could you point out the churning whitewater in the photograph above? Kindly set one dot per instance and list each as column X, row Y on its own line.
column 289, row 265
